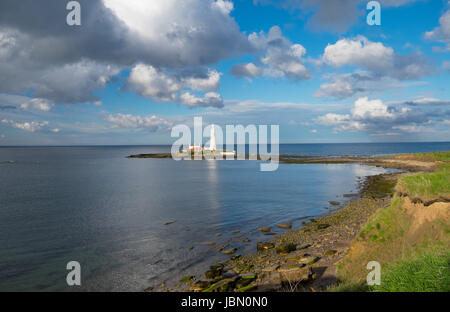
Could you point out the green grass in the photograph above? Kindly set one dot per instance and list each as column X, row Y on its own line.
column 428, row 273
column 427, row 186
column 434, row 156
column 412, row 258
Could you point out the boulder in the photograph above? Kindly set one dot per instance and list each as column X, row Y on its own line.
column 229, row 251
column 264, row 229
column 322, row 226
column 285, row 248
column 308, row 260
column 286, row 225
column 295, row 275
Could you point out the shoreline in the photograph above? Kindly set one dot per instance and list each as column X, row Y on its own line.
column 318, row 244
column 307, row 258
column 394, row 161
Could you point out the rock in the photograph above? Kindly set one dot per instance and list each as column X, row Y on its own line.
column 208, row 243
column 235, row 232
column 187, row 278
column 308, row 260
column 235, row 257
column 270, row 283
column 264, row 229
column 330, row 252
column 245, row 280
column 222, row 285
column 190, row 248
column 222, row 247
column 322, row 226
column 295, row 275
column 334, row 203
column 214, row 271
column 246, row 240
column 251, row 276
column 285, row 248
column 350, row 195
column 200, row 285
column 149, row 289
column 286, row 225
column 229, row 251
column 169, row 222
column 264, row 246
column 270, row 233
column 302, row 246
column 219, row 234
column 272, row 268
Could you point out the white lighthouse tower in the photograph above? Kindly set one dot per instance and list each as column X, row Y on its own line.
column 212, row 142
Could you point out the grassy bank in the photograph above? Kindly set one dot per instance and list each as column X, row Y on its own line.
column 410, row 238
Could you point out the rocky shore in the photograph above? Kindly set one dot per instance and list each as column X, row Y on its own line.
column 304, row 259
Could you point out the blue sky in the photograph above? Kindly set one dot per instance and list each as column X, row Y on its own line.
column 129, row 73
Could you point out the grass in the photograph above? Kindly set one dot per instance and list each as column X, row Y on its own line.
column 434, row 156
column 427, row 186
column 413, row 252
column 428, row 273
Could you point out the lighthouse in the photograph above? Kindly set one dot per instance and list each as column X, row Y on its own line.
column 212, row 142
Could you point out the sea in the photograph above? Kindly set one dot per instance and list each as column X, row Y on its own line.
column 138, row 223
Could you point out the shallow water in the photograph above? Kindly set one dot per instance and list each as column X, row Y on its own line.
column 93, row 205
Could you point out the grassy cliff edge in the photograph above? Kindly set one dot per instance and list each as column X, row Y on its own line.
column 410, row 238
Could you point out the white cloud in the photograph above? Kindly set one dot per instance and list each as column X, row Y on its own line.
column 366, row 109
column 279, row 57
column 164, row 86
column 37, row 104
column 151, row 123
column 211, row 99
column 149, row 82
column 378, row 118
column 249, row 70
column 31, row 126
column 208, row 83
column 442, row 32
column 382, row 68
column 359, row 51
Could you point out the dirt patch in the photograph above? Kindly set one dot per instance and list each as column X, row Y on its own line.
column 421, row 215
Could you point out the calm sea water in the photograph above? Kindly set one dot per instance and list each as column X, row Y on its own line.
column 94, row 206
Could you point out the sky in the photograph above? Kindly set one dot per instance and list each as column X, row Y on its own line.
column 134, row 69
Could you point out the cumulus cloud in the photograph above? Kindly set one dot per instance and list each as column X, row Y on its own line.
column 67, row 64
column 377, row 117
column 30, row 126
column 165, row 86
column 442, row 32
column 37, row 104
column 248, row 70
column 382, row 67
column 150, row 123
column 279, row 57
column 359, row 83
column 211, row 99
